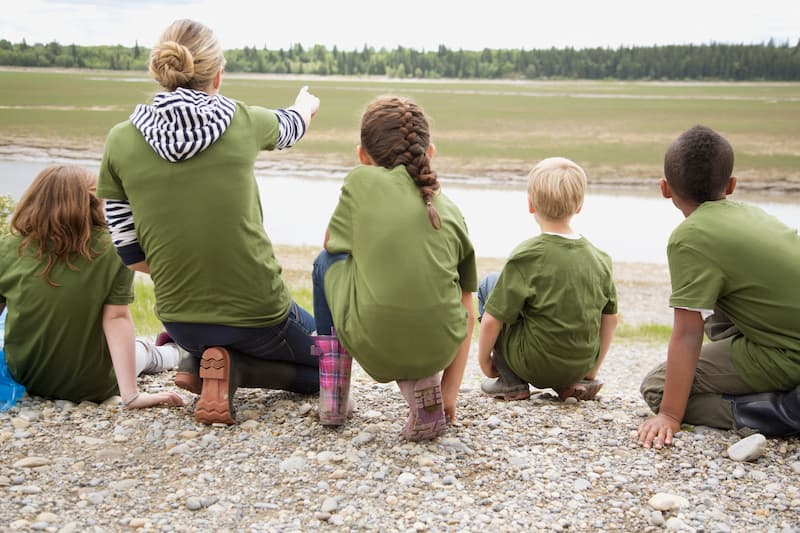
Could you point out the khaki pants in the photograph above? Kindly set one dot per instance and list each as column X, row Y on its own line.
column 715, row 377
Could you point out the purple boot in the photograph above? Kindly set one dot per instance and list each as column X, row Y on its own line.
column 426, row 419
column 334, row 379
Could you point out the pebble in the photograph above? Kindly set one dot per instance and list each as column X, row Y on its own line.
column 663, row 501
column 329, row 505
column 796, row 467
column 749, row 448
column 32, row 462
column 406, row 478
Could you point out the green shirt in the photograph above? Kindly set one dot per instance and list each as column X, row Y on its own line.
column 737, row 258
column 200, row 225
column 54, row 339
column 550, row 296
column 396, row 300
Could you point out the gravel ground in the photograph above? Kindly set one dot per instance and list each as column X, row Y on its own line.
column 535, row 465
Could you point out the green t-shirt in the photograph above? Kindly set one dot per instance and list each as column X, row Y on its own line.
column 396, row 300
column 737, row 258
column 54, row 339
column 550, row 296
column 200, row 225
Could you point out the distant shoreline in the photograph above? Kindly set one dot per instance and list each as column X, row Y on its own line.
column 500, row 173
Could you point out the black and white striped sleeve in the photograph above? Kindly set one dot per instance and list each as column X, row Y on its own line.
column 119, row 218
column 291, row 128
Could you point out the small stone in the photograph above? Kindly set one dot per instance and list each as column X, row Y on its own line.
column 796, row 467
column 123, row 484
column 406, row 478
column 449, row 480
column 570, row 401
column 20, row 423
column 643, row 412
column 96, row 498
column 493, row 421
column 47, row 518
column 180, row 449
column 758, row 475
column 676, row 524
column 329, row 505
column 249, row 425
column 657, row 519
column 292, row 463
column 303, row 410
column 89, row 441
column 363, row 438
column 749, row 448
column 194, row 504
column 322, row 517
column 32, row 462
column 188, row 435
column 581, row 484
column 663, row 501
column 136, row 523
column 425, row 460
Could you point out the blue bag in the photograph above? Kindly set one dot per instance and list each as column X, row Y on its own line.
column 10, row 390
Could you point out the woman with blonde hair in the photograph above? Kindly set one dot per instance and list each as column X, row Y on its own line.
column 183, row 205
column 69, row 334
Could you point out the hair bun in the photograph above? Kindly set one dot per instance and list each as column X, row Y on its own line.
column 172, row 65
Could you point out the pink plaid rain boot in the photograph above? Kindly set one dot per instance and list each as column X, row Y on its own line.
column 334, row 379
column 426, row 419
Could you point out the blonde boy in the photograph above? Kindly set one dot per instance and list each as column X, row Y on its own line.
column 548, row 318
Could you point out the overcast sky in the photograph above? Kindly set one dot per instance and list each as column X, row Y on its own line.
column 419, row 24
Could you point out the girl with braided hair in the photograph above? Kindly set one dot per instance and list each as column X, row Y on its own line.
column 398, row 270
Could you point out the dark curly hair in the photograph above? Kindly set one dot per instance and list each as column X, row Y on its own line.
column 698, row 164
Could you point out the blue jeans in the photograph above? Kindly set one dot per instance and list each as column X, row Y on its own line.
column 287, row 342
column 322, row 311
column 485, row 288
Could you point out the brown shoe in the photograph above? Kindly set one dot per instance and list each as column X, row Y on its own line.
column 585, row 389
column 187, row 376
column 215, row 405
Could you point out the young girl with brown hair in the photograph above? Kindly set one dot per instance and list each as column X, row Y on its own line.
column 69, row 333
column 398, row 270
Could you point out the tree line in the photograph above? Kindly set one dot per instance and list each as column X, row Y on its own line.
column 714, row 61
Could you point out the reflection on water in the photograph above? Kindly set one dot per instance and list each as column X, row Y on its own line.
column 631, row 225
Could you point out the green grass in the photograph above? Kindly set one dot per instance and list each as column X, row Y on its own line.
column 615, row 129
column 643, row 333
column 142, row 309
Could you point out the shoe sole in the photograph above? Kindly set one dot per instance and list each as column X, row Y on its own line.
column 427, row 418
column 188, row 382
column 509, row 396
column 214, row 405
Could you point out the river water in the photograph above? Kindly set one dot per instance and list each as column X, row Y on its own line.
column 631, row 225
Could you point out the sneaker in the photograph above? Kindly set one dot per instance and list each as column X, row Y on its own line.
column 497, row 388
column 215, row 405
column 426, row 419
column 585, row 389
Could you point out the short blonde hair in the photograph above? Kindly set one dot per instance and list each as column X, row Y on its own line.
column 556, row 187
column 187, row 55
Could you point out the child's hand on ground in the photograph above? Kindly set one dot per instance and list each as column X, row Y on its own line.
column 657, row 431
column 171, row 399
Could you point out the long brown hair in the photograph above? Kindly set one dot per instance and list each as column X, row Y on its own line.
column 394, row 131
column 57, row 214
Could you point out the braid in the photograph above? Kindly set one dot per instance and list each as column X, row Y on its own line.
column 395, row 132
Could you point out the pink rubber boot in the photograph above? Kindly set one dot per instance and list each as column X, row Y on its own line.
column 334, row 380
column 426, row 419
